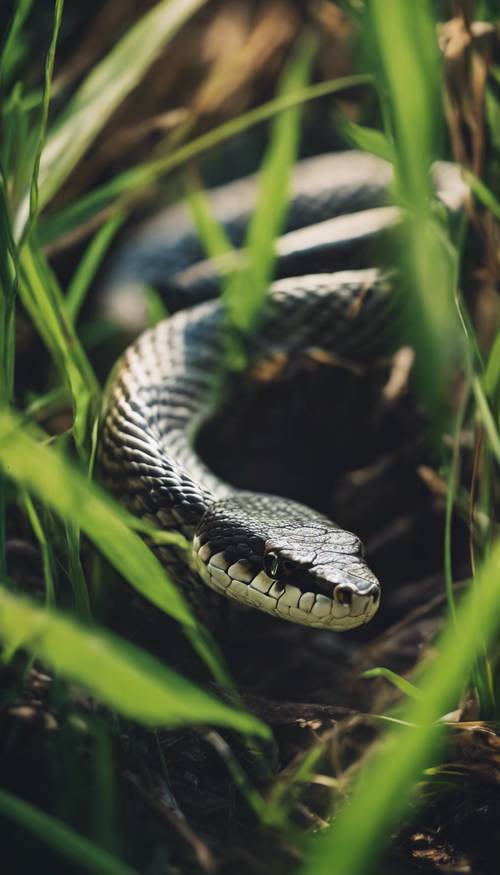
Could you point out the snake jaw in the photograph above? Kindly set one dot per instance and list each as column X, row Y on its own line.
column 340, row 595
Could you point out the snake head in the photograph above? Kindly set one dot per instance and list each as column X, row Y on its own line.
column 287, row 560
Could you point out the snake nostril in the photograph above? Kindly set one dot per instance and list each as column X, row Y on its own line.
column 343, row 594
column 375, row 594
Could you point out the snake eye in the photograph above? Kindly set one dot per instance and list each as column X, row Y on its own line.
column 271, row 564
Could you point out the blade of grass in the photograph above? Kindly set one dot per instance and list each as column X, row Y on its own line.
column 131, row 182
column 492, row 374
column 367, row 139
column 89, row 263
column 42, row 297
column 485, row 414
column 130, row 681
column 62, row 838
column 101, row 93
column 406, row 57
column 482, row 192
column 12, row 43
column 244, row 295
column 45, row 549
column 451, row 493
column 76, row 574
column 383, row 790
column 401, row 683
column 245, row 286
column 210, row 230
column 80, row 502
column 9, row 277
column 9, row 273
column 49, row 69
column 59, row 485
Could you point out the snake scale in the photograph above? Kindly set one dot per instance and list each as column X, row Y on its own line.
column 264, row 551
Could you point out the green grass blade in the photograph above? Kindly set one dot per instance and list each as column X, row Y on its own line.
column 9, row 277
column 62, row 838
column 42, row 298
column 13, row 46
column 43, row 472
column 210, row 231
column 366, row 139
column 133, row 181
column 89, row 263
column 127, row 679
column 244, row 296
column 407, row 49
column 46, row 474
column 76, row 574
column 101, row 93
column 245, row 285
column 45, row 549
column 384, row 788
column 451, row 493
column 482, row 192
column 401, row 683
column 406, row 55
column 9, row 274
column 492, row 374
column 49, row 69
column 485, row 414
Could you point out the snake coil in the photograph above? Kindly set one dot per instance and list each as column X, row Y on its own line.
column 266, row 552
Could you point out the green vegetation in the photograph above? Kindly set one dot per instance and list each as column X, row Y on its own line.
column 84, row 537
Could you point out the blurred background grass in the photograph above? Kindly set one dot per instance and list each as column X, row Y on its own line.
column 99, row 107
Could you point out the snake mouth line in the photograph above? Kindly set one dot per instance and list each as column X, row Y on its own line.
column 288, row 602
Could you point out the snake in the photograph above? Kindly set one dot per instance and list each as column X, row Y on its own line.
column 265, row 552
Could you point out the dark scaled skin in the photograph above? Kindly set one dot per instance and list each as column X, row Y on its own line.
column 263, row 551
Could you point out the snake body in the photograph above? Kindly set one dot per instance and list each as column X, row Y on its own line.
column 264, row 551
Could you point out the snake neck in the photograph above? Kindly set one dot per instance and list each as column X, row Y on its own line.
column 161, row 391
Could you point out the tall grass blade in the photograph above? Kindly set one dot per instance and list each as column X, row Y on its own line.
column 406, row 56
column 384, row 788
column 244, row 295
column 125, row 678
column 45, row 549
column 131, row 182
column 43, row 299
column 366, row 139
column 62, row 487
column 102, row 92
column 49, row 69
column 89, row 264
column 12, row 47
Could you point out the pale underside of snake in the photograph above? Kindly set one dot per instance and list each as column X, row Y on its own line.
column 265, row 552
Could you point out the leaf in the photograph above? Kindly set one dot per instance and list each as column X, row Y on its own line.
column 49, row 69
column 64, row 488
column 43, row 299
column 367, row 139
column 482, row 192
column 13, row 44
column 89, row 264
column 405, row 52
column 61, row 486
column 383, row 790
column 400, row 682
column 274, row 183
column 101, row 93
column 127, row 679
column 135, row 179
